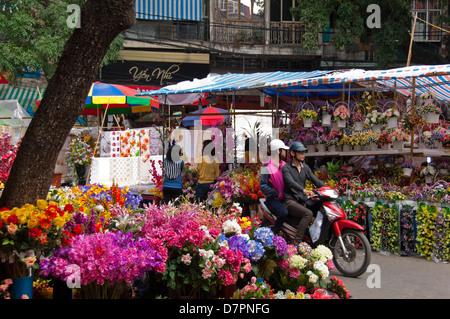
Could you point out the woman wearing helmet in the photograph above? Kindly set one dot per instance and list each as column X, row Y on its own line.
column 295, row 174
column 272, row 185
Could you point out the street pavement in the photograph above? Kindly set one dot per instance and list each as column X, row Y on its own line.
column 391, row 276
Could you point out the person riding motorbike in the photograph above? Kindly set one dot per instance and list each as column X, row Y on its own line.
column 297, row 198
column 272, row 185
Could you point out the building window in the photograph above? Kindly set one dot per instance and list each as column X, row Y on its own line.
column 280, row 10
column 427, row 10
column 239, row 9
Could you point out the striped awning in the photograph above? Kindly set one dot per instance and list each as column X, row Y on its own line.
column 235, row 82
column 26, row 96
column 169, row 9
column 439, row 86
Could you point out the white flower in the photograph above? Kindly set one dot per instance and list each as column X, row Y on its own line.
column 231, row 226
column 313, row 278
column 322, row 253
column 322, row 269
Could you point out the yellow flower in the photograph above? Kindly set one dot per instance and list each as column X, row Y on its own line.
column 42, row 204
column 32, row 222
column 59, row 222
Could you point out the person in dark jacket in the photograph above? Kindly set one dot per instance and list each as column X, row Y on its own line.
column 173, row 167
column 271, row 183
column 295, row 174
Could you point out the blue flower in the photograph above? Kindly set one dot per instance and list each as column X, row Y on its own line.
column 264, row 235
column 255, row 249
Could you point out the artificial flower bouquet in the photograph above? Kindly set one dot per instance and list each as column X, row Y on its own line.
column 399, row 135
column 341, row 112
column 358, row 117
column 408, row 164
column 308, row 114
column 428, row 170
column 391, row 112
column 374, row 117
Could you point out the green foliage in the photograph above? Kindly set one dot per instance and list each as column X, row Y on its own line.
column 34, row 35
column 351, row 22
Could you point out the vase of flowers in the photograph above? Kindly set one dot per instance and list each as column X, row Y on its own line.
column 80, row 153
column 341, row 115
column 308, row 117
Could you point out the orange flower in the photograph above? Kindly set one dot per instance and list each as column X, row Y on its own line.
column 45, row 223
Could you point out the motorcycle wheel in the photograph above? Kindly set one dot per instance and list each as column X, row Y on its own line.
column 357, row 259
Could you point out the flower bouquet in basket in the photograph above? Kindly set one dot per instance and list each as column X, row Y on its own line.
column 358, row 117
column 308, row 114
column 80, row 151
column 256, row 289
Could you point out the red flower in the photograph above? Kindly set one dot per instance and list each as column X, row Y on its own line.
column 1, row 224
column 13, row 219
column 45, row 223
column 77, row 229
column 68, row 208
column 35, row 232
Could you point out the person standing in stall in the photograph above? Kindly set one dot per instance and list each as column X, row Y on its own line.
column 173, row 167
column 208, row 171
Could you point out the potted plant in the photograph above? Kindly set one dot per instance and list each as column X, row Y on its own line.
column 308, row 116
column 341, row 115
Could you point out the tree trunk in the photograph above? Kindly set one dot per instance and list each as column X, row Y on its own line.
column 32, row 172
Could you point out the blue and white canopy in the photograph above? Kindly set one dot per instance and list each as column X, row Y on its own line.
column 433, row 76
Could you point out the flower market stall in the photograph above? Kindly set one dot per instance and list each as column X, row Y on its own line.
column 101, row 240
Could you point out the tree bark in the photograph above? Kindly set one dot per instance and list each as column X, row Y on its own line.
column 32, row 172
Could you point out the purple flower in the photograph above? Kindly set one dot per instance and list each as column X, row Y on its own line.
column 280, row 245
column 238, row 243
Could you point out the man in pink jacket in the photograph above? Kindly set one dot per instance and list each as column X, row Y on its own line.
column 271, row 183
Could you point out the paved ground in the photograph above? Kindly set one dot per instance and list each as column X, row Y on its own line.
column 400, row 277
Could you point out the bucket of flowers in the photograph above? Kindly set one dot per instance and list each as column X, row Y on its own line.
column 374, row 119
column 428, row 109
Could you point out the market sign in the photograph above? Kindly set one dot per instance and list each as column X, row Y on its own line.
column 155, row 68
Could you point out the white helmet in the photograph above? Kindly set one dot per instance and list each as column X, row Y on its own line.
column 277, row 144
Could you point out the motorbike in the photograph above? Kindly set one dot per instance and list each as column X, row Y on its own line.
column 345, row 238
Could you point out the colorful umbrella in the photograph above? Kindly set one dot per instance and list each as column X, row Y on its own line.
column 119, row 99
column 204, row 118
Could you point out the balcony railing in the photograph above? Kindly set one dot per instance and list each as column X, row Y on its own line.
column 281, row 33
